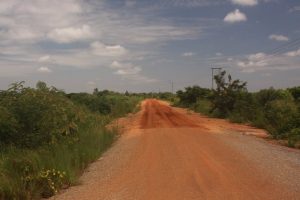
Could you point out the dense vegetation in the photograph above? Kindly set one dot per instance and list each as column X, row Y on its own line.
column 276, row 110
column 48, row 137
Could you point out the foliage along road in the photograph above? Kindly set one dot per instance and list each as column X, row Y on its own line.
column 170, row 153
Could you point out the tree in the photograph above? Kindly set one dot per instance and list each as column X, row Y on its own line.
column 40, row 85
column 96, row 91
column 295, row 91
column 226, row 94
column 191, row 94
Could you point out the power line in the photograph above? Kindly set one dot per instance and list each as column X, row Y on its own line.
column 281, row 49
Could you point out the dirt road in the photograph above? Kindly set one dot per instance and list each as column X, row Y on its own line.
column 170, row 153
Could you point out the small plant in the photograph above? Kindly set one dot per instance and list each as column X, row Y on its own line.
column 51, row 181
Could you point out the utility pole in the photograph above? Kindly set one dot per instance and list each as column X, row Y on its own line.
column 172, row 86
column 212, row 75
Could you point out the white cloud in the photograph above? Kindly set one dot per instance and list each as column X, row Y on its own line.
column 70, row 34
column 117, row 65
column 129, row 71
column 219, row 54
column 279, row 38
column 245, row 2
column 29, row 21
column 190, row 3
column 145, row 33
column 20, row 33
column 293, row 53
column 125, row 68
column 45, row 59
column 28, row 26
column 263, row 62
column 188, row 54
column 44, row 70
column 101, row 49
column 235, row 16
column 253, row 63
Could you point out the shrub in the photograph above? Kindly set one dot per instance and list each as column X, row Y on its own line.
column 202, row 106
column 8, row 126
column 42, row 116
column 245, row 108
column 295, row 91
column 192, row 94
column 280, row 114
column 294, row 137
column 265, row 96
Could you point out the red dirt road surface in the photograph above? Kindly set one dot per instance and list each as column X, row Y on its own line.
column 168, row 153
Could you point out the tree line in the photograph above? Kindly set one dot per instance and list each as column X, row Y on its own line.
column 276, row 110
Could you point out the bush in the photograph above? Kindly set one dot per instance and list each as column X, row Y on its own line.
column 294, row 138
column 47, row 139
column 192, row 94
column 265, row 96
column 280, row 114
column 8, row 126
column 202, row 106
column 42, row 116
column 295, row 91
column 245, row 109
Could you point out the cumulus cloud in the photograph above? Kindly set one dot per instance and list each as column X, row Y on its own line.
column 235, row 16
column 129, row 71
column 70, row 34
column 101, row 49
column 293, row 53
column 188, row 54
column 245, row 2
column 29, row 21
column 253, row 62
column 27, row 28
column 280, row 38
column 262, row 62
column 44, row 69
column 46, row 59
column 125, row 68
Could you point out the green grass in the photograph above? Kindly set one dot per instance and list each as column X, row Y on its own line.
column 23, row 171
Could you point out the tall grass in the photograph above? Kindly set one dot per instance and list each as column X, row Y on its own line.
column 32, row 174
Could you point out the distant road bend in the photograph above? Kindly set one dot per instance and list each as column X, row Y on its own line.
column 168, row 153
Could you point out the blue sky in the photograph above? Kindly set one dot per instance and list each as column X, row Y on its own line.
column 143, row 45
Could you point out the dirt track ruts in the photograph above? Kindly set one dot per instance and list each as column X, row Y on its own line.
column 169, row 153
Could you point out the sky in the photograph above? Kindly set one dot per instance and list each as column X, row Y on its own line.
column 145, row 45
